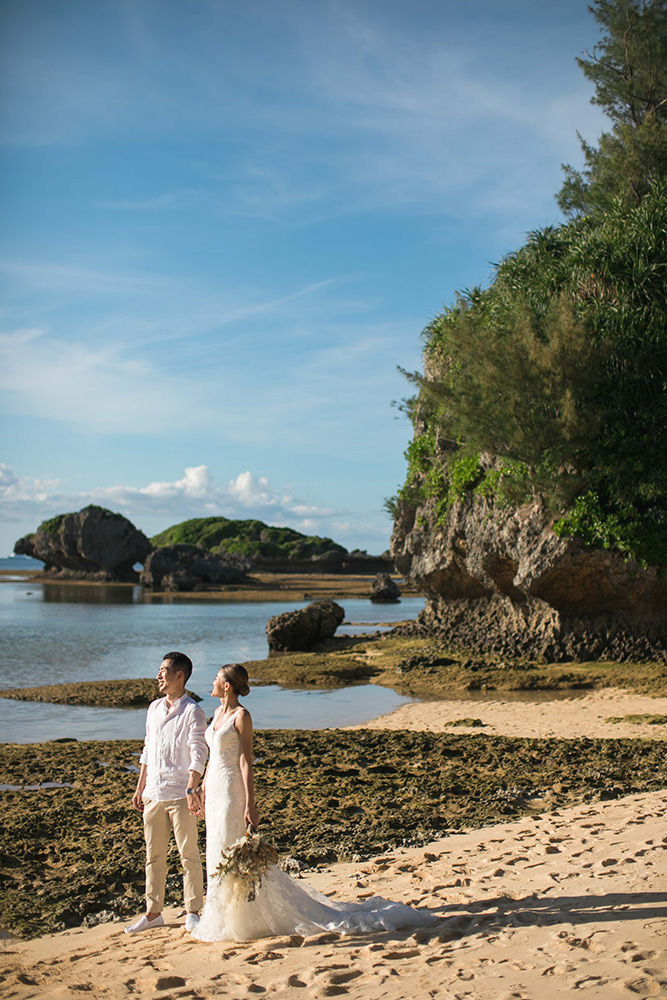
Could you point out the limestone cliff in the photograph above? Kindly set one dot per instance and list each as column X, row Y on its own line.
column 499, row 579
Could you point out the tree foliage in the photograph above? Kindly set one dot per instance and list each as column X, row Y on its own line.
column 629, row 70
column 560, row 367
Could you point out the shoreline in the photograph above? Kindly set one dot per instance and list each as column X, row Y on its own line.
column 262, row 587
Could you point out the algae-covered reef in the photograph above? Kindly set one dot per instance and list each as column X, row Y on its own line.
column 117, row 693
column 414, row 662
column 71, row 853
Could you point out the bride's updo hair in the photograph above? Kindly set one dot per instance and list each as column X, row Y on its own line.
column 237, row 676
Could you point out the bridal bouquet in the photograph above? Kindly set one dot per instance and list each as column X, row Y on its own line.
column 245, row 862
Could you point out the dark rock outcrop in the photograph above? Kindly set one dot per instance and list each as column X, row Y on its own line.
column 499, row 579
column 92, row 544
column 301, row 630
column 187, row 567
column 330, row 562
column 384, row 590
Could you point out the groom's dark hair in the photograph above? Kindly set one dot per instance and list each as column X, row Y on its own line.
column 179, row 661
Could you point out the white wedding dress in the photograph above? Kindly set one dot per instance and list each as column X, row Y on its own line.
column 281, row 905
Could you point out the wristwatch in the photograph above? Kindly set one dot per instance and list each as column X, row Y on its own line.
column 190, row 791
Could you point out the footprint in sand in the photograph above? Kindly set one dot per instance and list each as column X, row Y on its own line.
column 643, row 956
column 644, row 986
column 295, row 983
column 582, row 984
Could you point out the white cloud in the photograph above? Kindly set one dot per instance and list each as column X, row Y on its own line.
column 252, row 492
column 196, row 484
column 194, row 494
column 26, row 501
column 7, row 477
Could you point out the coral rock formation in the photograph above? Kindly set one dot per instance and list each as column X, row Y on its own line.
column 187, row 567
column 92, row 544
column 499, row 579
column 300, row 630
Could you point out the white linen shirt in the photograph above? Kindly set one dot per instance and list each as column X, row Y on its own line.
column 174, row 745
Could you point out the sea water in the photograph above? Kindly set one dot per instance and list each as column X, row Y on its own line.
column 59, row 633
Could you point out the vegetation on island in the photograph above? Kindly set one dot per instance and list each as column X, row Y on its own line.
column 552, row 382
column 249, row 538
column 54, row 524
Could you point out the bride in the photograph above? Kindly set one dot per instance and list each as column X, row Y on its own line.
column 227, row 799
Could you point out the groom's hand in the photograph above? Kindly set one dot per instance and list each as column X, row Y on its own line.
column 137, row 801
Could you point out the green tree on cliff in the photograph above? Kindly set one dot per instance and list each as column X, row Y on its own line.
column 629, row 70
column 559, row 369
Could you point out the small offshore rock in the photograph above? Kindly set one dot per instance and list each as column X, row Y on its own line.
column 301, row 630
column 384, row 590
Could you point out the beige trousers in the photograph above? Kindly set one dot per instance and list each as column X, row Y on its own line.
column 159, row 820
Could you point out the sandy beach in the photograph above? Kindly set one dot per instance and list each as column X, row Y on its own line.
column 571, row 717
column 542, row 906
column 575, row 900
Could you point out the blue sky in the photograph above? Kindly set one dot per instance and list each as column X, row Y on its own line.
column 226, row 224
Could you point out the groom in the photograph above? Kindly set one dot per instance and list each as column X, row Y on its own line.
column 172, row 764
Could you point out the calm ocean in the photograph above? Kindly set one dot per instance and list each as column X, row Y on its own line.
column 58, row 633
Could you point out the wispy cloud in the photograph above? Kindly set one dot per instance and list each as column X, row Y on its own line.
column 102, row 389
column 348, row 112
column 44, row 275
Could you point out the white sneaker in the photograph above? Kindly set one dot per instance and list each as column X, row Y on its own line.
column 144, row 924
column 191, row 921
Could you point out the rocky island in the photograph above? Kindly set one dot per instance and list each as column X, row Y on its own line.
column 93, row 544
column 202, row 554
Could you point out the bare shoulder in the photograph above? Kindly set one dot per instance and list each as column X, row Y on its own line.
column 243, row 719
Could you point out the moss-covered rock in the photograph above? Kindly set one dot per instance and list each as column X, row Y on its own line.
column 133, row 693
column 422, row 667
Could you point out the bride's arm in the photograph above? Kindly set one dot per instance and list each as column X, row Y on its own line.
column 243, row 724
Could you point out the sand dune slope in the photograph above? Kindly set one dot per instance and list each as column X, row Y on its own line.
column 541, row 908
